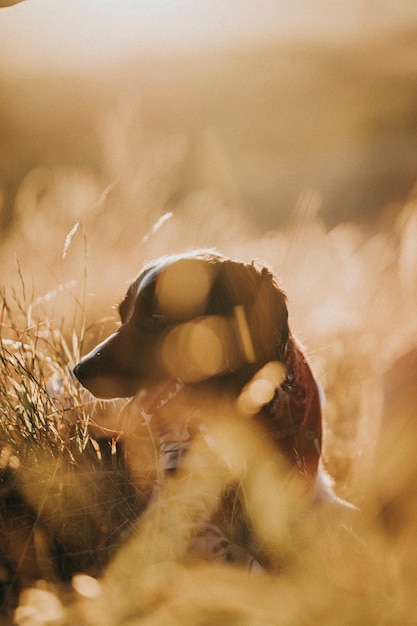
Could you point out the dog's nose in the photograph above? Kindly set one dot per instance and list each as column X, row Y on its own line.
column 85, row 370
column 76, row 371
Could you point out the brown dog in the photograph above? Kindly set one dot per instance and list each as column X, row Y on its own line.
column 204, row 344
column 211, row 323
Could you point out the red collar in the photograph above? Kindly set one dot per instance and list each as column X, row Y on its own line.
column 295, row 413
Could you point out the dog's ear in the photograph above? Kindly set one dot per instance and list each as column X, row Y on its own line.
column 262, row 302
column 269, row 317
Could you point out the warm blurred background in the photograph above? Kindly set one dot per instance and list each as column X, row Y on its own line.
column 283, row 131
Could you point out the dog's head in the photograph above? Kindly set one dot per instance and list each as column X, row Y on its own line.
column 192, row 317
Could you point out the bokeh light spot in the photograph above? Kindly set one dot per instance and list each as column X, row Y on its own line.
column 261, row 389
column 86, row 586
column 184, row 288
column 199, row 349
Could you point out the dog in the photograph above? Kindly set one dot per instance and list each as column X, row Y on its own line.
column 202, row 318
column 199, row 325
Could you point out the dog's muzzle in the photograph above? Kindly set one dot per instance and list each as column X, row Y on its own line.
column 103, row 373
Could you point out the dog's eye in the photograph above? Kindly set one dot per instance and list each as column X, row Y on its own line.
column 157, row 320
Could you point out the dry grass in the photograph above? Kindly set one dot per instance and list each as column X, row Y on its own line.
column 80, row 236
column 351, row 294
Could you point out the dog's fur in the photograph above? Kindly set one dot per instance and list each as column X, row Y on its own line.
column 245, row 308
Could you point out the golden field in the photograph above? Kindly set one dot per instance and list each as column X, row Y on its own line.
column 304, row 158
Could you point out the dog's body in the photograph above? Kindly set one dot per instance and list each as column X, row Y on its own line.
column 201, row 325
